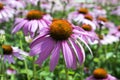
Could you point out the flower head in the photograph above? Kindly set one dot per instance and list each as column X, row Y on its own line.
column 60, row 36
column 11, row 71
column 34, row 21
column 1, row 6
column 100, row 74
column 10, row 52
column 86, row 27
column 5, row 13
column 83, row 10
column 60, row 30
column 89, row 17
column 100, row 18
column 34, row 14
column 7, row 49
column 115, row 31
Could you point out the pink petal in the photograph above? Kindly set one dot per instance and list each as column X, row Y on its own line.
column 67, row 54
column 38, row 39
column 19, row 26
column 79, row 53
column 43, row 55
column 34, row 26
column 55, row 56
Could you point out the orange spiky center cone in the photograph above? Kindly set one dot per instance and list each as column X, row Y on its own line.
column 83, row 10
column 34, row 15
column 7, row 49
column 100, row 36
column 100, row 73
column 101, row 18
column 1, row 6
column 118, row 28
column 89, row 17
column 60, row 30
column 86, row 27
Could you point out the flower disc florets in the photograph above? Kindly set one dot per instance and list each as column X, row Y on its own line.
column 83, row 10
column 60, row 30
column 100, row 36
column 104, row 19
column 118, row 28
column 86, row 27
column 7, row 49
column 89, row 17
column 100, row 73
column 34, row 14
column 1, row 6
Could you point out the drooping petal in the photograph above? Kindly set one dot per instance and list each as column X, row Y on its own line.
column 86, row 45
column 67, row 54
column 25, row 29
column 18, row 20
column 74, row 65
column 79, row 53
column 43, row 55
column 43, row 23
column 18, row 56
column 41, row 46
column 10, row 59
column 34, row 26
column 18, row 26
column 55, row 56
column 38, row 39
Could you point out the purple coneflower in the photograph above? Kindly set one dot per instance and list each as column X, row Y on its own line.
column 88, row 28
column 105, row 39
column 5, row 12
column 101, row 21
column 88, row 19
column 33, row 2
column 10, row 71
column 100, row 74
column 33, row 22
column 115, row 31
column 17, row 4
column 78, row 16
column 10, row 52
column 116, row 11
column 99, row 11
column 60, row 36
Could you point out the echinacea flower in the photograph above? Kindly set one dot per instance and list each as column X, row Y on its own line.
column 10, row 52
column 115, row 31
column 5, row 12
column 101, row 21
column 116, row 11
column 89, row 29
column 99, row 11
column 33, row 2
column 77, row 16
column 88, row 19
column 16, row 4
column 100, row 74
column 105, row 39
column 33, row 22
column 60, row 36
column 11, row 71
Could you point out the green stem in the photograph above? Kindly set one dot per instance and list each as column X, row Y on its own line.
column 66, row 74
column 34, row 68
column 12, row 77
column 82, row 72
column 26, row 68
column 25, row 62
column 3, row 66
